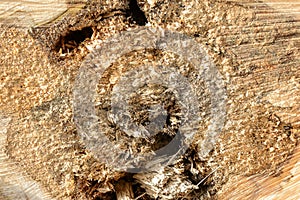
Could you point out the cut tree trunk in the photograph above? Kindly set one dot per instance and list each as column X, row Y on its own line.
column 254, row 47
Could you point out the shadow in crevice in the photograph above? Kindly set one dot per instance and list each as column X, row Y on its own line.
column 136, row 13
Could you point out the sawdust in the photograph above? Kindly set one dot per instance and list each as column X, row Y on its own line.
column 38, row 70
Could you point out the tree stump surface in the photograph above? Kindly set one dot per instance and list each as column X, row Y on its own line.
column 254, row 47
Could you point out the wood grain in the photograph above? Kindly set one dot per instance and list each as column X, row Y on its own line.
column 33, row 85
column 284, row 186
column 287, row 184
column 28, row 13
column 291, row 7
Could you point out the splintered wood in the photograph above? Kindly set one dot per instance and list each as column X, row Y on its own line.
column 254, row 45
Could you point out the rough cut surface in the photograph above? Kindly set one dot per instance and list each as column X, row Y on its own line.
column 255, row 47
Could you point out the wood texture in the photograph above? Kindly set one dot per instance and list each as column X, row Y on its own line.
column 284, row 186
column 28, row 13
column 291, row 7
column 287, row 184
column 255, row 46
column 14, row 184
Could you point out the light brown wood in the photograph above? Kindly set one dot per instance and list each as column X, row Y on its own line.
column 287, row 184
column 14, row 183
column 36, row 95
column 284, row 186
column 28, row 13
column 291, row 7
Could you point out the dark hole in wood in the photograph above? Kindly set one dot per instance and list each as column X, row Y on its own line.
column 90, row 189
column 73, row 39
column 140, row 192
column 106, row 196
column 136, row 13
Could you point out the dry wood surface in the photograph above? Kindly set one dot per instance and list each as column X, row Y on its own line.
column 255, row 46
